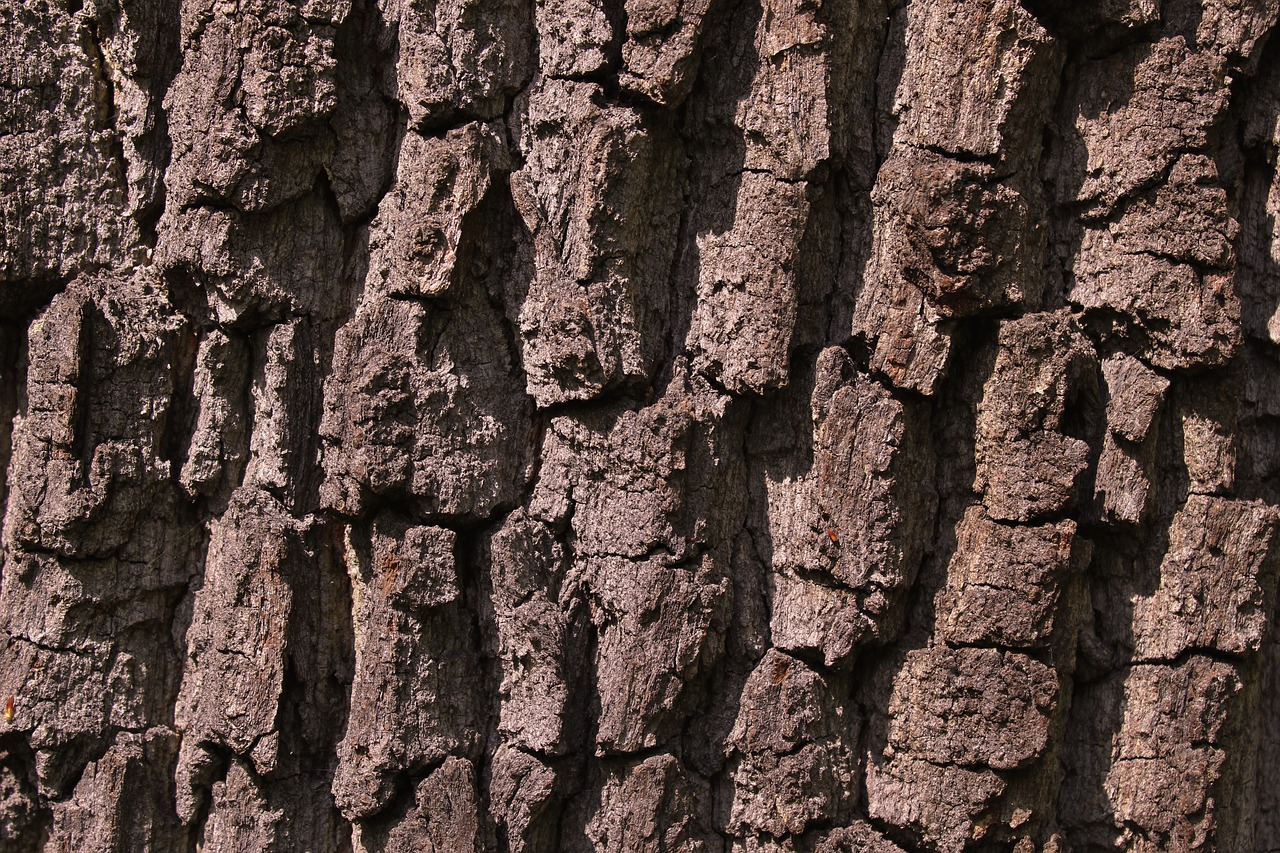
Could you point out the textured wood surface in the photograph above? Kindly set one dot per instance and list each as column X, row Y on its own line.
column 736, row 426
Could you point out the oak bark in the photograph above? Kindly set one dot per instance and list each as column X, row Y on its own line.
column 639, row 425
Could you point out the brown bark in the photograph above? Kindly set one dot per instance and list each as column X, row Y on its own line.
column 639, row 425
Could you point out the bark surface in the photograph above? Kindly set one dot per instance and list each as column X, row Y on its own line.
column 736, row 426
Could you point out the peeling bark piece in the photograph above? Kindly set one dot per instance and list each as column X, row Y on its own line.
column 1004, row 582
column 234, row 676
column 942, row 804
column 422, row 405
column 240, row 816
column 416, row 243
column 872, row 475
column 266, row 98
column 654, row 498
column 1170, row 752
column 788, row 88
column 742, row 328
column 663, row 480
column 287, row 77
column 1134, row 395
column 1122, row 486
column 63, row 195
column 846, row 504
column 918, row 274
column 660, row 56
column 216, row 453
column 1234, row 31
column 1042, row 361
column 1167, row 264
column 594, row 315
column 1151, row 764
column 248, row 814
column 784, row 705
column 1187, row 217
column 90, row 466
column 575, row 37
column 123, row 801
column 1208, row 413
column 972, row 707
column 786, row 794
column 954, row 230
column 1044, row 372
column 975, row 78
column 261, row 266
column 135, row 71
column 911, row 340
column 1139, row 109
column 1217, row 581
column 460, row 57
column 535, row 645
column 651, row 806
column 1126, row 466
column 255, row 81
column 788, row 117
column 523, row 801
column 414, row 699
column 1034, row 478
column 662, row 640
column 794, row 765
column 830, row 620
column 445, row 817
column 285, row 414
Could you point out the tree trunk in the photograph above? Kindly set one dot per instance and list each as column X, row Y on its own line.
column 639, row 425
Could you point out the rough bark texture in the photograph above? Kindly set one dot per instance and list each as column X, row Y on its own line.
column 639, row 425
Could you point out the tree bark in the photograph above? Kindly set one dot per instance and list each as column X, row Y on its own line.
column 639, row 425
